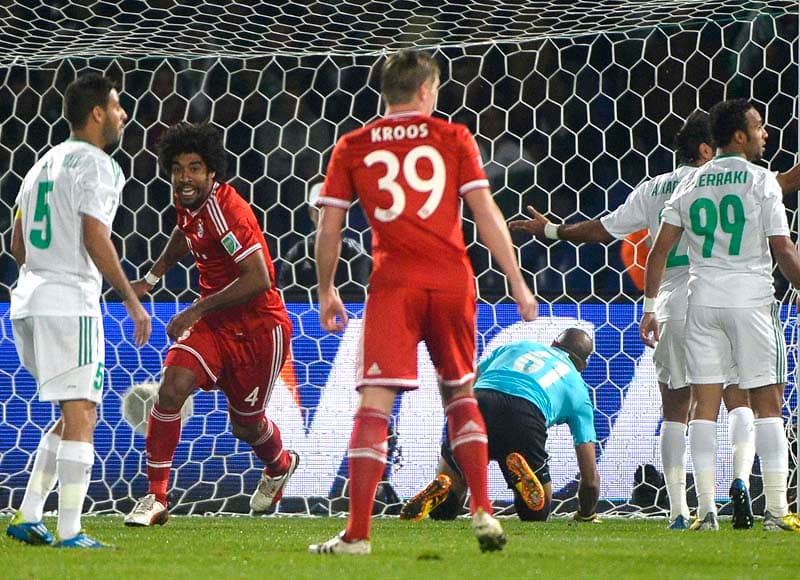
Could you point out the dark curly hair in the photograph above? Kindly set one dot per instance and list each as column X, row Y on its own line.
column 200, row 138
column 695, row 131
column 728, row 117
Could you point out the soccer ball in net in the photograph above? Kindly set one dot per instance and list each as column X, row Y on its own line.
column 137, row 402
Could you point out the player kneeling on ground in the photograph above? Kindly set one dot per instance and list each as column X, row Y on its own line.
column 235, row 337
column 523, row 389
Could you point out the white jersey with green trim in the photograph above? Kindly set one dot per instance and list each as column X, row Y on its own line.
column 59, row 278
column 728, row 208
column 642, row 209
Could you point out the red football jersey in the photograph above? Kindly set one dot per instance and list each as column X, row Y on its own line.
column 409, row 171
column 221, row 233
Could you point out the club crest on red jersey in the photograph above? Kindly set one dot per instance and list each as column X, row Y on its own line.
column 200, row 228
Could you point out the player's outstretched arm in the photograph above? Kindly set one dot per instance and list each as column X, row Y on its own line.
column 790, row 180
column 175, row 249
column 589, row 487
column 541, row 227
column 17, row 243
column 786, row 256
column 98, row 244
column 253, row 280
column 332, row 315
column 494, row 234
column 668, row 236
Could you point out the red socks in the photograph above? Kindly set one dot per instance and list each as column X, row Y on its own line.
column 163, row 434
column 367, row 459
column 269, row 449
column 468, row 440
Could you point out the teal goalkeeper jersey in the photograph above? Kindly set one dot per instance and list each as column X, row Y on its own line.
column 546, row 377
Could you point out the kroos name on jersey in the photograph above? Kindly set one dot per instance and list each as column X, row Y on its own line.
column 379, row 134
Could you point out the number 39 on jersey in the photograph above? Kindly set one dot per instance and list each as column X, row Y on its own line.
column 433, row 186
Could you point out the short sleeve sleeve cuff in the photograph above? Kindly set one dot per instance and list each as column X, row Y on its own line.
column 473, row 185
column 671, row 216
column 332, row 201
column 609, row 222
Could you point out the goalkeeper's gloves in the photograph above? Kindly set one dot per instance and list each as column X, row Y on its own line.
column 593, row 518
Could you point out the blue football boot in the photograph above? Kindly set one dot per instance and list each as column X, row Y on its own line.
column 33, row 533
column 81, row 541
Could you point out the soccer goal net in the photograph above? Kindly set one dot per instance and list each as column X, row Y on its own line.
column 573, row 104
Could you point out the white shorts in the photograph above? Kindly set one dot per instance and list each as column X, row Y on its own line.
column 749, row 340
column 65, row 354
column 670, row 354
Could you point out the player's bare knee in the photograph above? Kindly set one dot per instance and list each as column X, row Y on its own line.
column 767, row 401
column 176, row 386
column 78, row 419
column 675, row 403
column 705, row 403
column 735, row 397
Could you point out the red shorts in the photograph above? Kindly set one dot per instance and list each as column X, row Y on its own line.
column 244, row 365
column 395, row 321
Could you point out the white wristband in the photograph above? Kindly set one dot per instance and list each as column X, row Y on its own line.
column 151, row 278
column 649, row 304
column 551, row 231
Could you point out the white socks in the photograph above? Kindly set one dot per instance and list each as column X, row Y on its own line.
column 743, row 442
column 773, row 450
column 673, row 458
column 42, row 478
column 74, row 459
column 703, row 443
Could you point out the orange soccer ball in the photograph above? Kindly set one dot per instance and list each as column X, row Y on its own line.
column 633, row 251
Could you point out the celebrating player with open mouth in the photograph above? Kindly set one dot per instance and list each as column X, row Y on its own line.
column 235, row 337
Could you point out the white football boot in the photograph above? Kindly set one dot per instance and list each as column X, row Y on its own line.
column 337, row 545
column 148, row 511
column 488, row 531
column 270, row 489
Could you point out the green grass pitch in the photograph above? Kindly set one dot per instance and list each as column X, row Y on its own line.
column 276, row 547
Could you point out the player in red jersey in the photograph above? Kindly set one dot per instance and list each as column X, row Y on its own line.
column 410, row 172
column 235, row 337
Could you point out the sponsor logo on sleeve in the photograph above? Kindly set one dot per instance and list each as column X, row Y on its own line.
column 231, row 244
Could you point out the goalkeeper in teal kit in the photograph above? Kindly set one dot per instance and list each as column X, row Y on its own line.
column 524, row 388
